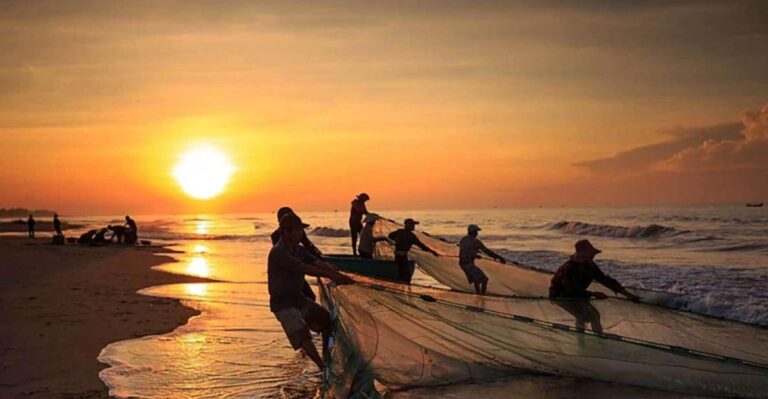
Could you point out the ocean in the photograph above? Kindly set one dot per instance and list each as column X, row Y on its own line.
column 715, row 256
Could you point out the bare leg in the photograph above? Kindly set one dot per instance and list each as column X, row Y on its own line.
column 477, row 288
column 309, row 348
column 483, row 287
column 354, row 243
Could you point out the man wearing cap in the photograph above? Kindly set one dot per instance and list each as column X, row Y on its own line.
column 367, row 240
column 304, row 242
column 287, row 265
column 469, row 248
column 572, row 279
column 356, row 213
column 404, row 239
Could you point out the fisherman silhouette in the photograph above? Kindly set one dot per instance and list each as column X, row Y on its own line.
column 31, row 226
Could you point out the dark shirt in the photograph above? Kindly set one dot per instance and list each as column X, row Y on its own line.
column 132, row 224
column 57, row 225
column 356, row 212
column 285, row 280
column 304, row 242
column 405, row 239
column 572, row 279
column 31, row 222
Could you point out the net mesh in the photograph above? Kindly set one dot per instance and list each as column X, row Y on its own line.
column 511, row 279
column 413, row 336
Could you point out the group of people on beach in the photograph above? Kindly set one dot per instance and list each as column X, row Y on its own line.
column 128, row 232
column 293, row 256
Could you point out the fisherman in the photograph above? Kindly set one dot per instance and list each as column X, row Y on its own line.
column 572, row 279
column 356, row 213
column 469, row 248
column 404, row 239
column 57, row 225
column 131, row 231
column 307, row 290
column 287, row 265
column 31, row 226
column 368, row 242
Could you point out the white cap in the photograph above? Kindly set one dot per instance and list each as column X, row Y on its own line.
column 473, row 228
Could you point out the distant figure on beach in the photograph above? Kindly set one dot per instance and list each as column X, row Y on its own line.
column 404, row 239
column 572, row 279
column 31, row 226
column 469, row 249
column 356, row 213
column 131, row 231
column 367, row 241
column 307, row 290
column 117, row 232
column 57, row 225
column 287, row 265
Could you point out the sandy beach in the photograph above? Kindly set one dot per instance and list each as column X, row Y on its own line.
column 60, row 305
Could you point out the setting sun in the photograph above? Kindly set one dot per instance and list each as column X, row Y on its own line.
column 203, row 173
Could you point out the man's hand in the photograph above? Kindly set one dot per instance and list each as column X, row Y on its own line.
column 503, row 261
column 632, row 297
column 598, row 295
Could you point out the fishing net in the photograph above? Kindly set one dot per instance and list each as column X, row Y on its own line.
column 511, row 279
column 413, row 336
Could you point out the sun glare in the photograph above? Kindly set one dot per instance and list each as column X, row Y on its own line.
column 203, row 173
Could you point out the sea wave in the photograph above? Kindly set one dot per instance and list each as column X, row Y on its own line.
column 604, row 230
column 329, row 232
column 729, row 293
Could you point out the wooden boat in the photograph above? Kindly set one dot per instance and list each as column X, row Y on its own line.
column 755, row 205
column 376, row 268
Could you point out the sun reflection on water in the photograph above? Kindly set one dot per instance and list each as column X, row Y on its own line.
column 199, row 289
column 202, row 227
column 198, row 266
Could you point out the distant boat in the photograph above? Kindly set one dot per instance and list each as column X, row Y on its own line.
column 755, row 205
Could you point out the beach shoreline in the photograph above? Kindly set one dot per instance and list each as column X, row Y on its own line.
column 61, row 305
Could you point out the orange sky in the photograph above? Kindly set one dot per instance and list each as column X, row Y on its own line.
column 420, row 104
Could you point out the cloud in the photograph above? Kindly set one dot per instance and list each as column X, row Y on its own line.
column 749, row 151
column 728, row 146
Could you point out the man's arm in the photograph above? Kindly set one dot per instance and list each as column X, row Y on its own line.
column 492, row 254
column 423, row 246
column 612, row 284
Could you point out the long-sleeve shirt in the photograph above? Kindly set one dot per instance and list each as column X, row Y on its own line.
column 572, row 279
column 304, row 241
column 405, row 239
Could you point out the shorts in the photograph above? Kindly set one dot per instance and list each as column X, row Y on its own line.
column 296, row 322
column 404, row 271
column 474, row 274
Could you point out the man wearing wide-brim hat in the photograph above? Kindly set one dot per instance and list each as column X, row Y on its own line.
column 572, row 279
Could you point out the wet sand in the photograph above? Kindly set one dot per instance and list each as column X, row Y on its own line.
column 60, row 305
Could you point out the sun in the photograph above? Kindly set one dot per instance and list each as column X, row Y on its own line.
column 203, row 173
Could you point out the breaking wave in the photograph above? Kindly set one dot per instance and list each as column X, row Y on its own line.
column 604, row 230
column 323, row 231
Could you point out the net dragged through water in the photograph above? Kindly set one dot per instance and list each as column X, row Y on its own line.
column 413, row 336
